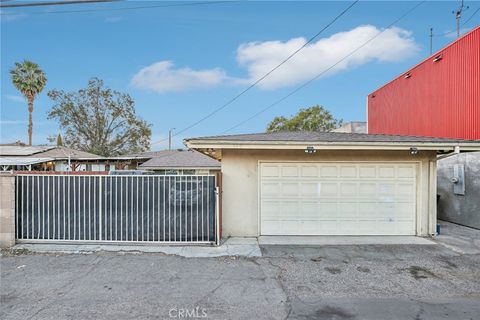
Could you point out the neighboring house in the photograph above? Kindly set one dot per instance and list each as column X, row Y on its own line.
column 326, row 183
column 20, row 157
column 182, row 162
column 439, row 97
column 353, row 127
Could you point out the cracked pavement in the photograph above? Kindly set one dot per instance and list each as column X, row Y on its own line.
column 294, row 282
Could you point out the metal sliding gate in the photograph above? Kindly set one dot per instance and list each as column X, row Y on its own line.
column 96, row 208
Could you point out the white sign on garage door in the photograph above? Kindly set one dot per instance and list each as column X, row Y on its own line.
column 337, row 198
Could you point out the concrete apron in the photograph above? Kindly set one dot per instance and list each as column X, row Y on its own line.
column 243, row 247
column 343, row 240
column 235, row 246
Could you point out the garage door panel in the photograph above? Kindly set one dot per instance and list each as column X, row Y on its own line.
column 309, row 171
column 290, row 171
column 367, row 171
column 367, row 189
column 348, row 189
column 386, row 172
column 289, row 188
column 310, row 189
column 348, row 171
column 328, row 189
column 328, row 171
column 337, row 198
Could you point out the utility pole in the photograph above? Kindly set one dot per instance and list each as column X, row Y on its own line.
column 431, row 41
column 170, row 138
column 458, row 16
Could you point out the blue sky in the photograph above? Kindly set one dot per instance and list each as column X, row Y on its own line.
column 179, row 63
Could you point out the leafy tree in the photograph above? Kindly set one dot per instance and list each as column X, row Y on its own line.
column 30, row 80
column 315, row 118
column 99, row 120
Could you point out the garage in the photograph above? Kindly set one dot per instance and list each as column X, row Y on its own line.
column 295, row 184
column 328, row 198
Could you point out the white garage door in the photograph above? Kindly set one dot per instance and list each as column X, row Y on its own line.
column 337, row 198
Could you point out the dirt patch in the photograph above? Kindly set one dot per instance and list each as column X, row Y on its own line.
column 333, row 313
column 421, row 273
column 449, row 264
column 14, row 252
column 363, row 269
column 333, row 270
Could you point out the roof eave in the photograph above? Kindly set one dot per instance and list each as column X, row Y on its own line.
column 272, row 145
column 178, row 168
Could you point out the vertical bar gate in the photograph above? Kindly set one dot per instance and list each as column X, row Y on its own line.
column 100, row 208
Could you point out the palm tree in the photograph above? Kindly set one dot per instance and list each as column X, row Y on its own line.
column 30, row 80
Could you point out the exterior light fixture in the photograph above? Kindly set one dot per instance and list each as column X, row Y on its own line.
column 413, row 151
column 407, row 75
column 437, row 58
column 310, row 150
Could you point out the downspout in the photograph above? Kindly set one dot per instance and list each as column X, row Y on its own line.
column 433, row 190
column 454, row 152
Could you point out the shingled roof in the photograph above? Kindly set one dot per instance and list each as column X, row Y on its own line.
column 55, row 152
column 179, row 159
column 327, row 137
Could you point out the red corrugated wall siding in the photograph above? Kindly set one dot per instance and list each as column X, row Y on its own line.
column 440, row 99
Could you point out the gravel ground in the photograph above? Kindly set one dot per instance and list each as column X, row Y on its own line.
column 332, row 282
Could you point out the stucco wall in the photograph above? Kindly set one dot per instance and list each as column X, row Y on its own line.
column 461, row 209
column 240, row 183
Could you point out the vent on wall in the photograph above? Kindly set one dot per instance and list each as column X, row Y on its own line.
column 437, row 58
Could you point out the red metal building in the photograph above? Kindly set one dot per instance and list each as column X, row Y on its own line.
column 439, row 97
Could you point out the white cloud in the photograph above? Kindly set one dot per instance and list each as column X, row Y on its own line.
column 163, row 77
column 112, row 19
column 258, row 58
column 15, row 98
column 12, row 122
column 22, row 122
column 11, row 16
column 453, row 34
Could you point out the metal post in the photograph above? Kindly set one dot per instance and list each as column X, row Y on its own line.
column 431, row 41
column 217, row 216
column 170, row 138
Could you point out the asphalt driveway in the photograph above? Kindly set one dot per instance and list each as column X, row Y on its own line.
column 331, row 282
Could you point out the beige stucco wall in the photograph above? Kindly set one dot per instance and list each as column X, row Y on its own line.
column 7, row 210
column 240, row 183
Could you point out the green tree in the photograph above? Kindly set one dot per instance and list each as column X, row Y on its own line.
column 30, row 80
column 99, row 120
column 315, row 118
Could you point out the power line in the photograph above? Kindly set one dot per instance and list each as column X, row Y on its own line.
column 262, row 77
column 470, row 18
column 136, row 7
column 323, row 72
column 463, row 24
column 50, row 3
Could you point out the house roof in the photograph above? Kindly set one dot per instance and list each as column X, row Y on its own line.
column 64, row 153
column 317, row 136
column 18, row 150
column 22, row 161
column 53, row 152
column 328, row 140
column 179, row 159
